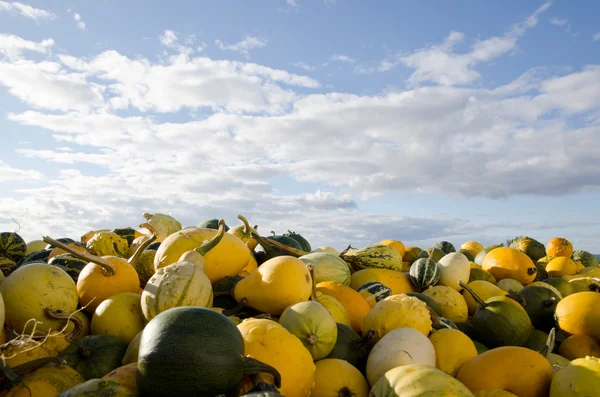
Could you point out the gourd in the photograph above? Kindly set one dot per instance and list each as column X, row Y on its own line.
column 125, row 376
column 424, row 272
column 401, row 346
column 452, row 349
column 472, row 246
column 244, row 232
column 477, row 273
column 529, row 246
column 509, row 285
column 579, row 379
column 539, row 303
column 561, row 266
column 94, row 356
column 161, row 224
column 304, row 244
column 504, row 262
column 484, row 290
column 131, row 354
column 46, row 381
column 334, row 377
column 579, row 346
column 453, row 267
column 335, row 308
column 107, row 243
column 327, row 267
column 356, row 305
column 98, row 387
column 374, row 292
column 578, row 314
column 559, row 246
column 351, row 347
column 398, row 282
column 177, row 355
column 120, row 316
column 375, row 257
column 450, row 302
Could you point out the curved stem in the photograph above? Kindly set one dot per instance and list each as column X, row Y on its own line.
column 210, row 244
column 109, row 269
column 290, row 250
column 365, row 339
column 59, row 315
column 236, row 309
column 253, row 366
column 477, row 299
column 313, row 292
column 247, row 227
column 345, row 251
column 435, row 319
column 138, row 252
column 550, row 342
column 15, row 374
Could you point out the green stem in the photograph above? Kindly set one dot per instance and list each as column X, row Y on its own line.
column 236, row 309
column 247, row 227
column 550, row 342
column 210, row 244
column 253, row 366
column 138, row 252
column 478, row 300
column 108, row 268
column 59, row 315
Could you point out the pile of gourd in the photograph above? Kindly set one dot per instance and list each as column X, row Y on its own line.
column 209, row 310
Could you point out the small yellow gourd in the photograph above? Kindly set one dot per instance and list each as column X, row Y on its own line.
column 120, row 316
column 335, row 377
column 452, row 349
column 451, row 303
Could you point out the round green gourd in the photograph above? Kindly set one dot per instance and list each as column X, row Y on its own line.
column 94, row 356
column 445, row 247
column 424, row 272
column 69, row 263
column 301, row 240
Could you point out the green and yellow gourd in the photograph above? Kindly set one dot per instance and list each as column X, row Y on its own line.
column 327, row 267
column 424, row 272
column 108, row 244
column 374, row 292
column 375, row 256
column 12, row 246
column 7, row 266
column 69, row 263
column 530, row 247
column 585, row 258
column 94, row 356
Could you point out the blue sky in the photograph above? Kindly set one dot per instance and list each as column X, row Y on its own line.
column 342, row 120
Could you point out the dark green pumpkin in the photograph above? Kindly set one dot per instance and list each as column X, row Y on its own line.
column 98, row 388
column 70, row 264
column 35, row 256
column 301, row 240
column 262, row 255
column 430, row 302
column 94, row 356
column 193, row 351
column 12, row 246
column 127, row 233
column 540, row 304
column 530, row 247
column 211, row 224
column 445, row 247
column 351, row 347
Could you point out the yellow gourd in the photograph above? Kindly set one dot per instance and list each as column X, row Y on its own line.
column 581, row 378
column 451, row 303
column 561, row 266
column 244, row 232
column 484, row 290
column 494, row 393
column 164, row 225
column 125, row 376
column 337, row 310
column 270, row 343
column 398, row 282
column 473, row 247
column 395, row 244
column 578, row 314
column 505, row 262
column 452, row 349
column 276, row 284
column 120, row 316
column 356, row 305
column 579, row 346
column 47, row 381
column 335, row 378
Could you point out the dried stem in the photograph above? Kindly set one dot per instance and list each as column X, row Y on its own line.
column 109, row 269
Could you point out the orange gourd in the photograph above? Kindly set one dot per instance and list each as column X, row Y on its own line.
column 356, row 304
column 559, row 246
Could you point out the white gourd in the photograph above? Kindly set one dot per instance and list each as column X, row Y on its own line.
column 454, row 267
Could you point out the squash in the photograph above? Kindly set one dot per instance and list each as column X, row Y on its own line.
column 269, row 342
column 27, row 298
column 244, row 232
column 335, row 308
column 518, row 370
column 47, row 381
column 120, row 316
column 451, row 303
column 584, row 284
column 559, row 246
column 131, row 354
column 529, row 246
column 452, row 349
column 561, row 266
column 539, row 303
column 398, row 282
column 510, row 263
column 227, row 258
column 585, row 258
column 98, row 387
column 424, row 272
column 509, row 285
column 107, row 243
column 356, row 305
column 313, row 325
column 276, row 284
column 397, row 311
column 402, row 346
column 484, row 290
column 494, row 393
column 177, row 355
column 162, row 225
column 418, row 380
column 374, row 292
column 94, row 356
column 125, row 376
column 479, row 257
column 453, row 267
column 351, row 347
column 578, row 314
column 395, row 244
column 304, row 244
column 334, row 378
column 375, row 257
column 12, row 247
column 581, row 378
column 327, row 267
column 472, row 246
column 579, row 346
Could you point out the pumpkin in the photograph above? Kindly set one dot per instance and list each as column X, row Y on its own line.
column 356, row 305
column 276, row 284
column 120, row 316
column 424, row 272
column 313, row 325
column 452, row 349
column 578, row 314
column 351, row 347
column 374, row 292
column 327, row 267
column 561, row 266
column 580, row 378
column 395, row 244
column 269, row 342
column 244, row 232
column 472, row 246
column 398, row 282
column 397, row 311
column 518, row 370
column 12, row 246
column 334, row 377
column 47, row 381
column 539, row 303
column 529, row 246
column 177, row 354
column 417, row 380
column 500, row 321
column 579, row 346
column 402, row 346
column 26, row 297
column 450, row 302
column 125, row 376
column 227, row 258
column 510, row 263
column 94, row 356
column 335, row 308
column 484, row 290
column 559, row 246
column 98, row 387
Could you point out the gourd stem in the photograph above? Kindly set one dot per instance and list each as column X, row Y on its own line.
column 345, row 251
column 531, row 271
column 138, row 252
column 210, row 244
column 253, row 366
column 15, row 374
column 246, row 230
column 108, row 268
column 345, row 392
column 236, row 309
column 313, row 339
column 77, row 323
column 550, row 302
column 435, row 319
column 265, row 241
column 365, row 339
column 313, row 292
column 477, row 299
column 430, row 256
column 550, row 342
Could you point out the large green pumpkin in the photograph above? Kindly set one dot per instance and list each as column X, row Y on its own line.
column 301, row 240
column 12, row 246
column 530, row 247
column 328, row 267
column 351, row 347
column 585, row 258
column 94, row 356
column 193, row 351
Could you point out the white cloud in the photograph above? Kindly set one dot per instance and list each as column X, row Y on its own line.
column 243, row 47
column 558, row 22
column 597, row 37
column 26, row 10
column 80, row 23
column 12, row 46
column 341, row 58
column 10, row 174
column 168, row 38
column 305, row 66
column 291, row 3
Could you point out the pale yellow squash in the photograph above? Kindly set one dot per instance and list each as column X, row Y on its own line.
column 398, row 282
column 452, row 349
column 451, row 303
column 120, row 316
column 581, row 378
column 335, row 378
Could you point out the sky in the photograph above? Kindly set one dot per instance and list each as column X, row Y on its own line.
column 346, row 121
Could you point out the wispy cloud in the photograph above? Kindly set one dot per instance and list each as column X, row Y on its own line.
column 12, row 46
column 80, row 23
column 243, row 46
column 27, row 11
column 11, row 174
column 291, row 3
column 558, row 21
column 597, row 37
column 329, row 3
column 342, row 58
column 305, row 66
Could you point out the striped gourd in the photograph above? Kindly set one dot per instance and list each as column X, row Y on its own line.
column 12, row 246
column 445, row 246
column 127, row 233
column 35, row 256
column 64, row 240
column 7, row 266
column 374, row 292
column 443, row 323
column 424, row 272
column 375, row 257
column 70, row 264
